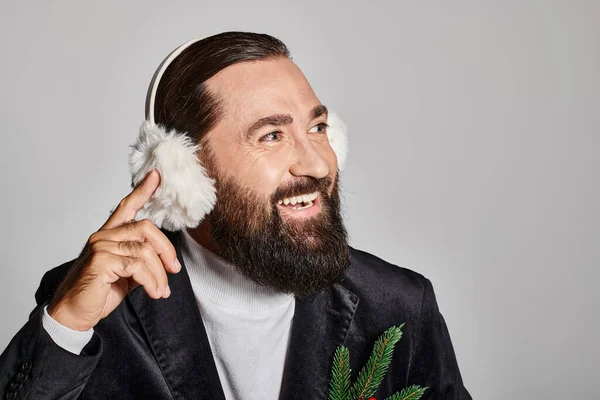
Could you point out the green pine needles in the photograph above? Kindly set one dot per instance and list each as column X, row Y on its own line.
column 409, row 393
column 339, row 387
column 371, row 376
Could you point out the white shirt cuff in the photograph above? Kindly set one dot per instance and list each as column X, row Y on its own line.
column 69, row 339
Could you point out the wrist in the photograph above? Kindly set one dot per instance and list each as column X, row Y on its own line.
column 62, row 314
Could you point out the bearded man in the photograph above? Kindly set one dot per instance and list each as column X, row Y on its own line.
column 249, row 301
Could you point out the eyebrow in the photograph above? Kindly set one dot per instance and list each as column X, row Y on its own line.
column 284, row 119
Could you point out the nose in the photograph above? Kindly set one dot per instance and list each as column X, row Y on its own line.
column 308, row 161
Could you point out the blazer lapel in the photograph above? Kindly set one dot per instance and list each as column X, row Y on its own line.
column 319, row 326
column 177, row 336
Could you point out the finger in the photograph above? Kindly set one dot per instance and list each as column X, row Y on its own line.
column 136, row 269
column 134, row 201
column 141, row 250
column 143, row 231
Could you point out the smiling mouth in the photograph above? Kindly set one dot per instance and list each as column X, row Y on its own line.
column 301, row 202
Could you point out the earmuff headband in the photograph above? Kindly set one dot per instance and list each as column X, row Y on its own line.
column 153, row 88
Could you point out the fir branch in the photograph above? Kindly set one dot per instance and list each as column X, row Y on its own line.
column 413, row 392
column 371, row 376
column 339, row 386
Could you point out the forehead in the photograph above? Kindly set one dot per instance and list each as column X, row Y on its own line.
column 254, row 89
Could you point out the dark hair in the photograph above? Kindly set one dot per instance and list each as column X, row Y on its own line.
column 183, row 101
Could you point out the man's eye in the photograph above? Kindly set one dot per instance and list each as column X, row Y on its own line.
column 323, row 127
column 271, row 137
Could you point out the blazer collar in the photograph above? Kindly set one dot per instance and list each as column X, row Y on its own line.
column 178, row 339
column 177, row 336
column 320, row 324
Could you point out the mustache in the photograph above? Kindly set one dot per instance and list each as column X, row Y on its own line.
column 302, row 185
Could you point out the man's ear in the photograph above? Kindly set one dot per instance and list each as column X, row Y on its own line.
column 186, row 193
column 336, row 132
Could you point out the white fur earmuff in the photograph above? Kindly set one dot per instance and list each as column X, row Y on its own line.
column 186, row 194
column 336, row 133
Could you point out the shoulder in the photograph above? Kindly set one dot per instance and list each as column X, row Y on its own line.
column 50, row 282
column 374, row 272
column 381, row 285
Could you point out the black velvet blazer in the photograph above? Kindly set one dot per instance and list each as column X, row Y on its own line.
column 158, row 349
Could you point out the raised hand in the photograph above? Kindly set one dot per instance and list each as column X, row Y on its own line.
column 120, row 256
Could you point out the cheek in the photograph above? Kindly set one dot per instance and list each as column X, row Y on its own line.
column 264, row 175
column 251, row 168
column 333, row 164
column 329, row 156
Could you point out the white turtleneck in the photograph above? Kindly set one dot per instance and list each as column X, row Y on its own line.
column 248, row 326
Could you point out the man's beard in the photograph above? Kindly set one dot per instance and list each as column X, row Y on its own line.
column 298, row 256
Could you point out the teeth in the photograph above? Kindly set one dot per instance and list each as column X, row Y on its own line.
column 305, row 198
column 310, row 204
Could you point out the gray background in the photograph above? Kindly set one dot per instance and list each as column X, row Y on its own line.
column 474, row 140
